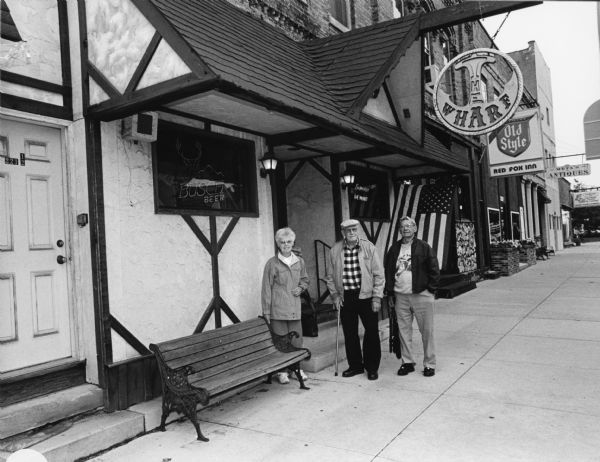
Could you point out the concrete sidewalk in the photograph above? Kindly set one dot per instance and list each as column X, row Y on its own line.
column 518, row 379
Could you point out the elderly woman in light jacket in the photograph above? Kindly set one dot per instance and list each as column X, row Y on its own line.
column 284, row 279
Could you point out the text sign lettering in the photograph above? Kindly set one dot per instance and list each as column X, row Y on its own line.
column 569, row 170
column 479, row 115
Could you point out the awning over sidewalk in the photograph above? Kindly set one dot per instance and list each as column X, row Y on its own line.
column 214, row 62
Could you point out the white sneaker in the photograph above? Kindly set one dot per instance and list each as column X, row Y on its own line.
column 283, row 377
column 302, row 374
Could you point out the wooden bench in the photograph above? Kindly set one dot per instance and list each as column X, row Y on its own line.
column 199, row 367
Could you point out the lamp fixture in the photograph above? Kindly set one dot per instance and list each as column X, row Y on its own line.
column 268, row 164
column 347, row 179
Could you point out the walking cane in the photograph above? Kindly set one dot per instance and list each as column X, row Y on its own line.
column 337, row 341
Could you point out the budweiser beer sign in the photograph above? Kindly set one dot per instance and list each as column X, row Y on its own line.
column 514, row 137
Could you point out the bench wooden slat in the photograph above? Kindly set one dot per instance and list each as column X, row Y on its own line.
column 203, row 345
column 240, row 355
column 233, row 362
column 252, row 342
column 220, row 360
column 255, row 370
column 194, row 338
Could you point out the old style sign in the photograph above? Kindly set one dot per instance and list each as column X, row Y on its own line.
column 478, row 115
column 514, row 137
column 516, row 147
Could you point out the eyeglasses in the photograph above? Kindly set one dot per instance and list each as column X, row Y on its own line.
column 286, row 242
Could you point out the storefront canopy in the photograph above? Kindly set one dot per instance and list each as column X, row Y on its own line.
column 213, row 62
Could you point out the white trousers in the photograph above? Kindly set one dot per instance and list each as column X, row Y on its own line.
column 421, row 307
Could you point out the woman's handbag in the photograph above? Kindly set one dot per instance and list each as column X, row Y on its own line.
column 310, row 328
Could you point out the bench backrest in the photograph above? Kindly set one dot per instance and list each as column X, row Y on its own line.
column 211, row 352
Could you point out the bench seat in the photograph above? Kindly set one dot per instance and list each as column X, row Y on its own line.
column 198, row 367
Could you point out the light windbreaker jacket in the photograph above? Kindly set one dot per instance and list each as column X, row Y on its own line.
column 278, row 282
column 372, row 277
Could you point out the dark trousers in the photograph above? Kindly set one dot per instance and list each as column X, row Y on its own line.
column 353, row 308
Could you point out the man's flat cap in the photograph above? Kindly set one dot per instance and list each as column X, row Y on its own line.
column 348, row 223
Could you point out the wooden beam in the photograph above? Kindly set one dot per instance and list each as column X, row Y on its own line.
column 151, row 97
column 299, row 136
column 469, row 11
column 362, row 154
column 143, row 64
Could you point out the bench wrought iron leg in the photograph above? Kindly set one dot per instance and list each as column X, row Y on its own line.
column 296, row 369
column 189, row 409
column 166, row 410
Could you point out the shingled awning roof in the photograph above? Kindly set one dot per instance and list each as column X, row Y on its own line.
column 308, row 96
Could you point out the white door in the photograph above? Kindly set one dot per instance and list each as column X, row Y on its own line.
column 35, row 319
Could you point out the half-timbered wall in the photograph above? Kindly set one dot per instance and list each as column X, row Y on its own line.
column 37, row 55
column 160, row 275
column 36, row 72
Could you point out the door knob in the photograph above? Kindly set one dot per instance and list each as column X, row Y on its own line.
column 60, row 243
column 61, row 260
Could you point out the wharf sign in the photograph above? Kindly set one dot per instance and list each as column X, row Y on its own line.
column 478, row 116
column 569, row 170
column 516, row 148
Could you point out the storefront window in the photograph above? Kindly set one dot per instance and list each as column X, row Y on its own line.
column 495, row 225
column 369, row 196
column 203, row 173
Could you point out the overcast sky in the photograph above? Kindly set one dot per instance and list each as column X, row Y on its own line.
column 566, row 33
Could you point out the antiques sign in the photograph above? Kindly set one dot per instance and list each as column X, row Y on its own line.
column 568, row 170
column 586, row 199
column 479, row 115
column 516, row 148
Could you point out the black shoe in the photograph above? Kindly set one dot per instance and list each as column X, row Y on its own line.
column 429, row 372
column 372, row 375
column 352, row 372
column 406, row 368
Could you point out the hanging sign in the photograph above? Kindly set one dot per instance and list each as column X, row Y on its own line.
column 479, row 115
column 569, row 170
column 516, row 148
column 586, row 199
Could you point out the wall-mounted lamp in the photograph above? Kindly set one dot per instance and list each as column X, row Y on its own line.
column 268, row 164
column 347, row 179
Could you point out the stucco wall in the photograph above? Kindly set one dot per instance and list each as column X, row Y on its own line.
column 38, row 54
column 159, row 273
column 310, row 214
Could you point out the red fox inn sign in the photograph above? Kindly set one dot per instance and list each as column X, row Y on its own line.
column 514, row 145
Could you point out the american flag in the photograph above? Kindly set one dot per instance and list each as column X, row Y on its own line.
column 430, row 207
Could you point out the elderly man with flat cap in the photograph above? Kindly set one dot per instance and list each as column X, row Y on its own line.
column 355, row 279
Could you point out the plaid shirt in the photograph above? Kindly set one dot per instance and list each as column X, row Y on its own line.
column 351, row 273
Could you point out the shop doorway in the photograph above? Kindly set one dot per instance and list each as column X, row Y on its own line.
column 36, row 328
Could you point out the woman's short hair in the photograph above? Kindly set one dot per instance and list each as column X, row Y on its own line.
column 283, row 233
column 409, row 220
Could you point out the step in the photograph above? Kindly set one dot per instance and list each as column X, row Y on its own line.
column 322, row 348
column 448, row 279
column 27, row 415
column 78, row 437
column 56, row 376
column 453, row 290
